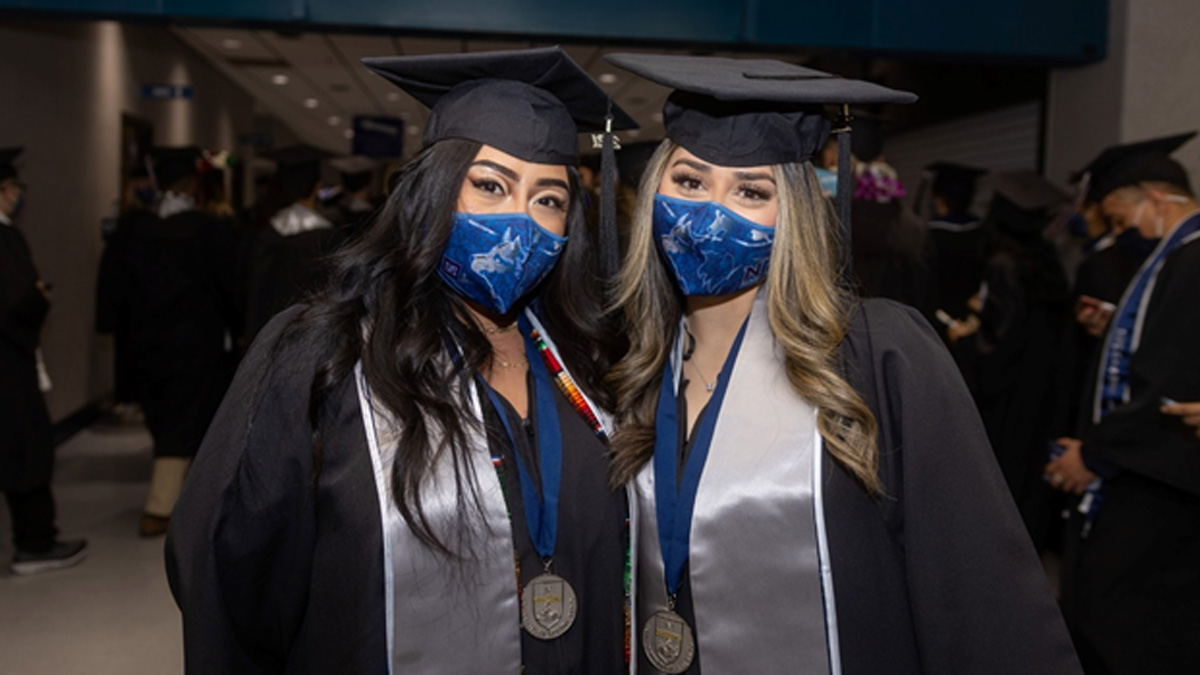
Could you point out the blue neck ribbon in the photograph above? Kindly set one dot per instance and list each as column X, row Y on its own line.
column 675, row 503
column 541, row 514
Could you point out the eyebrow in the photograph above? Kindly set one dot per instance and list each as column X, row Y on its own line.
column 513, row 176
column 703, row 168
column 498, row 168
column 745, row 175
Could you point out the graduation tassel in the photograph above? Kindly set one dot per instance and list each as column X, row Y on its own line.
column 845, row 185
column 610, row 256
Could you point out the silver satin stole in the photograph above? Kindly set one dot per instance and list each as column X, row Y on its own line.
column 444, row 617
column 761, row 586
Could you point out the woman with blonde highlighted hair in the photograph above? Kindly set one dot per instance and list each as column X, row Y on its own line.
column 814, row 490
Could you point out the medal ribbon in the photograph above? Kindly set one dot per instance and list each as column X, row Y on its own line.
column 541, row 514
column 676, row 503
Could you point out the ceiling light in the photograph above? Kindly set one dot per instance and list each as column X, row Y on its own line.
column 608, row 78
column 348, row 133
column 311, row 103
column 279, row 79
column 334, row 120
column 393, row 96
column 231, row 43
column 413, row 130
column 658, row 117
column 634, row 133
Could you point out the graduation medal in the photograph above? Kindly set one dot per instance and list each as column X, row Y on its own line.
column 668, row 643
column 548, row 606
column 548, row 603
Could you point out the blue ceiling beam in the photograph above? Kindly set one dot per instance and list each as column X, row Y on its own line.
column 1049, row 32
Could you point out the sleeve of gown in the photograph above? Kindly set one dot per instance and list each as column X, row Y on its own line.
column 23, row 308
column 980, row 601
column 1137, row 436
column 239, row 549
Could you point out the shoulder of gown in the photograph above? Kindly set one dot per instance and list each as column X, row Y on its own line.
column 978, row 599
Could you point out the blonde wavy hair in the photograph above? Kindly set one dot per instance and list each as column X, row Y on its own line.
column 808, row 309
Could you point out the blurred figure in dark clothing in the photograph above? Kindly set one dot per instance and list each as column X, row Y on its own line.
column 959, row 238
column 354, row 202
column 1009, row 347
column 889, row 244
column 284, row 252
column 26, row 443
column 168, row 277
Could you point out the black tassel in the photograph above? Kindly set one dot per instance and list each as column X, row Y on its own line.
column 845, row 187
column 610, row 255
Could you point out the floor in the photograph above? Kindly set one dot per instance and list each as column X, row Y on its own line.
column 113, row 613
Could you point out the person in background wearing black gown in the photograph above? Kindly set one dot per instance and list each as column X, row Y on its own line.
column 170, row 280
column 1008, row 346
column 815, row 493
column 408, row 474
column 1131, row 565
column 889, row 245
column 285, row 251
column 354, row 203
column 958, row 237
column 26, row 442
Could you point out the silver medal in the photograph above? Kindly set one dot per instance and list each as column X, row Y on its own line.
column 548, row 606
column 668, row 643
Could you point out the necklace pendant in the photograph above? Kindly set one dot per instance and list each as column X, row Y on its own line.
column 709, row 387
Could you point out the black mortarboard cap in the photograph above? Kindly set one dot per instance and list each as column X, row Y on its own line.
column 8, row 157
column 1100, row 171
column 954, row 183
column 298, row 167
column 1151, row 167
column 529, row 103
column 1021, row 202
column 173, row 164
column 1027, row 190
column 750, row 112
column 356, row 171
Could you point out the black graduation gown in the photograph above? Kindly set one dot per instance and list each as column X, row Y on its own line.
column 957, row 258
column 889, row 255
column 282, row 271
column 113, row 298
column 1009, row 363
column 938, row 576
column 26, row 442
column 274, row 574
column 1131, row 589
column 175, row 272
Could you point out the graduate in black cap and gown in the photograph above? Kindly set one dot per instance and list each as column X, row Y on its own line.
column 354, row 204
column 958, row 237
column 409, row 472
column 26, row 442
column 1009, row 345
column 286, row 250
column 1131, row 565
column 171, row 282
column 815, row 491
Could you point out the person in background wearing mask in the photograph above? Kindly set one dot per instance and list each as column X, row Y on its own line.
column 354, row 204
column 26, row 442
column 1131, row 568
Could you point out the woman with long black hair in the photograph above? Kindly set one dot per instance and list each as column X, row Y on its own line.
column 408, row 474
column 815, row 492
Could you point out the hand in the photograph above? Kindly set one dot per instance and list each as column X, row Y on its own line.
column 961, row 329
column 1068, row 473
column 975, row 303
column 1093, row 319
column 1190, row 412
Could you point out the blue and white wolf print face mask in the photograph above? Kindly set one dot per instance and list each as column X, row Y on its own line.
column 711, row 249
column 496, row 258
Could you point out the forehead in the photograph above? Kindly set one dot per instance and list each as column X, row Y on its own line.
column 1122, row 197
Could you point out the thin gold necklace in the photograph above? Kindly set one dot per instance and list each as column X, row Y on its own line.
column 688, row 350
column 492, row 330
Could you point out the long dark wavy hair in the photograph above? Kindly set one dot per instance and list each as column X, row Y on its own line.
column 386, row 306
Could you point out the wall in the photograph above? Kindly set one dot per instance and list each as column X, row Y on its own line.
column 66, row 85
column 1146, row 88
